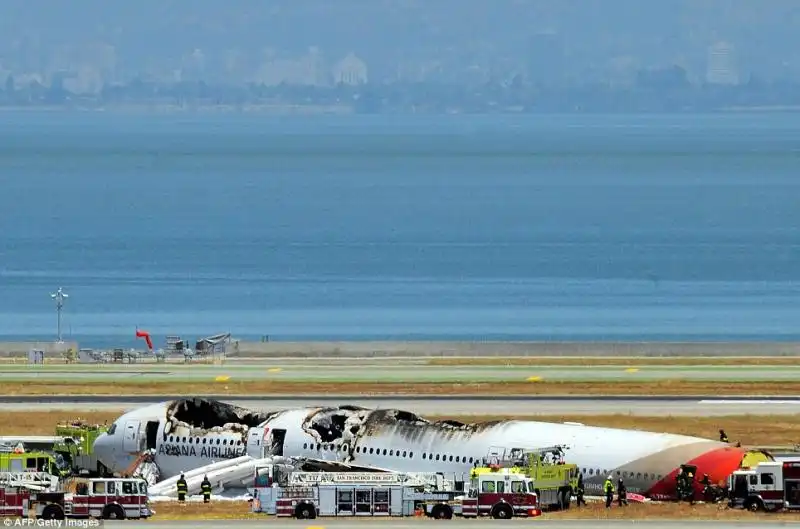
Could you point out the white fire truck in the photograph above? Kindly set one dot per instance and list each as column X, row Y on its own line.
column 113, row 498
column 306, row 495
column 769, row 486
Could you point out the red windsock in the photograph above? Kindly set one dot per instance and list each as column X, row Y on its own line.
column 146, row 336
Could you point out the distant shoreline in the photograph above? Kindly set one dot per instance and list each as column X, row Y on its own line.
column 371, row 349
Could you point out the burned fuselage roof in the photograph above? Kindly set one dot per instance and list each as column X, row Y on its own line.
column 348, row 424
column 207, row 414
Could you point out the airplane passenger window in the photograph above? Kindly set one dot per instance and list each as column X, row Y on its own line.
column 184, row 439
column 170, row 438
column 391, row 452
column 638, row 475
column 457, row 459
column 470, row 460
column 451, row 458
column 384, row 451
column 370, row 450
column 204, row 440
column 305, row 445
column 344, row 448
column 404, row 453
column 217, row 441
column 424, row 455
column 437, row 457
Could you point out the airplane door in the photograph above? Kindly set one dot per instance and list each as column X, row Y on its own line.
column 152, row 434
column 276, row 442
column 130, row 440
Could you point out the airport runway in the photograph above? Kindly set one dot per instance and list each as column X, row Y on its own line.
column 357, row 372
column 412, row 523
column 698, row 406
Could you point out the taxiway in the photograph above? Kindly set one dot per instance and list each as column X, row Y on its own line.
column 698, row 406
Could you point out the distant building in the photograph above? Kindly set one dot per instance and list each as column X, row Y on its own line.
column 722, row 67
column 350, row 71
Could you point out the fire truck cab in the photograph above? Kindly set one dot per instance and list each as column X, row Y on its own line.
column 768, row 486
column 501, row 493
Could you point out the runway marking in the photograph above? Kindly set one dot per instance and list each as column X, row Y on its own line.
column 222, row 378
column 534, row 379
column 274, row 370
column 632, row 370
column 722, row 401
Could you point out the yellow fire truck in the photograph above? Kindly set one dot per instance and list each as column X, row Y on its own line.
column 554, row 480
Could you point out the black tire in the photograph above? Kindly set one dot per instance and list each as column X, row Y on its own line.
column 52, row 512
column 305, row 511
column 754, row 504
column 502, row 511
column 113, row 512
column 442, row 512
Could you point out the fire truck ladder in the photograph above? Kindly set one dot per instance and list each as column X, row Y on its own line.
column 31, row 480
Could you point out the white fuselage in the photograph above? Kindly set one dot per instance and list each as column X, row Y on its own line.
column 643, row 459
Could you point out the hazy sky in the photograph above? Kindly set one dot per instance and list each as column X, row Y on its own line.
column 766, row 34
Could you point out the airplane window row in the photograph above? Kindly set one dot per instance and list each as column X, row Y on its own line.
column 624, row 474
column 197, row 440
column 390, row 453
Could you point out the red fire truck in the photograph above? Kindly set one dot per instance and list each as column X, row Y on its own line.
column 500, row 493
column 112, row 498
column 769, row 486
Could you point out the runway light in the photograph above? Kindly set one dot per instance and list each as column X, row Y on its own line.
column 534, row 379
column 274, row 370
column 632, row 370
column 222, row 378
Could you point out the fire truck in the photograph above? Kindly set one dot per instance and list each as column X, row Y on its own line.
column 502, row 493
column 113, row 498
column 306, row 495
column 768, row 486
column 554, row 479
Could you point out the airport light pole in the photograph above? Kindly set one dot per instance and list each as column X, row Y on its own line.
column 59, row 296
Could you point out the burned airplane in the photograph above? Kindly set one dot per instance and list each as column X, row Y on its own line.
column 191, row 433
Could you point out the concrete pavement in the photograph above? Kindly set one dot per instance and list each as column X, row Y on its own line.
column 387, row 372
column 692, row 406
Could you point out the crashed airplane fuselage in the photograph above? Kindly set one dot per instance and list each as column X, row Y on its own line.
column 191, row 433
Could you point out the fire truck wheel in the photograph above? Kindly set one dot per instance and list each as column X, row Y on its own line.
column 52, row 512
column 754, row 505
column 442, row 512
column 113, row 512
column 305, row 511
column 502, row 511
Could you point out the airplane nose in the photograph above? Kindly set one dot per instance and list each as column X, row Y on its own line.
column 104, row 451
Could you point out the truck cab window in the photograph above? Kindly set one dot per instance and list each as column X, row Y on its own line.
column 767, row 479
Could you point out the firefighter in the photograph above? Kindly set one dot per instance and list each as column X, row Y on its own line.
column 579, row 492
column 182, row 488
column 608, row 488
column 706, row 482
column 690, row 487
column 723, row 437
column 679, row 484
column 622, row 493
column 205, row 486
